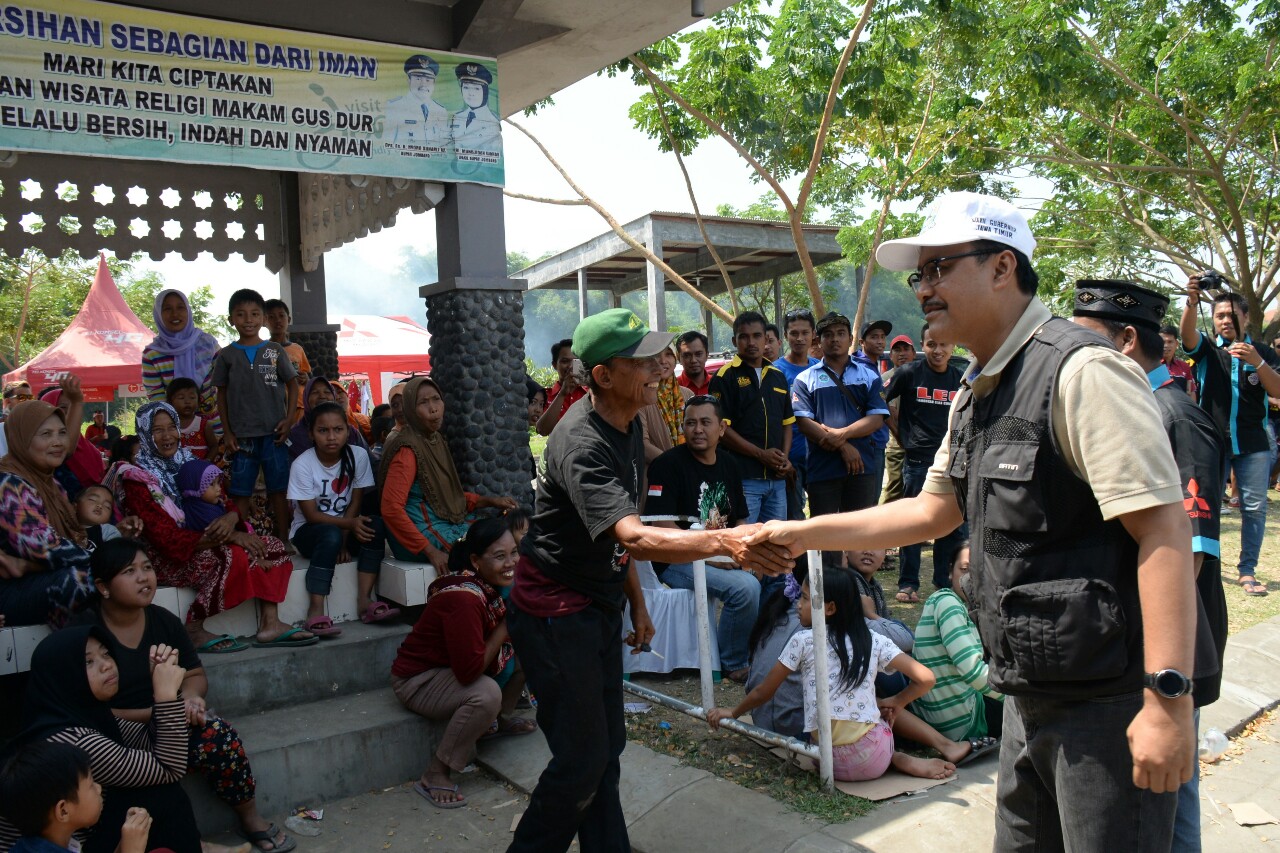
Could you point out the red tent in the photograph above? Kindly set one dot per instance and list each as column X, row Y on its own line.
column 103, row 346
column 380, row 347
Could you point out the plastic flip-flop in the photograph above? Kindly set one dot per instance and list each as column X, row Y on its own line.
column 322, row 626
column 287, row 640
column 210, row 647
column 424, row 791
column 378, row 612
column 978, row 747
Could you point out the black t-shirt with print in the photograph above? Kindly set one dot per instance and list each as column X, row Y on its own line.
column 589, row 482
column 684, row 490
column 924, row 404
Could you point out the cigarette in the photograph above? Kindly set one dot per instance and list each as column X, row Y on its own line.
column 645, row 647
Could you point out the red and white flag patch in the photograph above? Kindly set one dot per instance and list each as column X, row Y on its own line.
column 655, row 491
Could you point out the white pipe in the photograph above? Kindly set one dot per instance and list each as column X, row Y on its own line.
column 704, row 632
column 818, row 620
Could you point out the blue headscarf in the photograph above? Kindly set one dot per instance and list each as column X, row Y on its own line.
column 191, row 348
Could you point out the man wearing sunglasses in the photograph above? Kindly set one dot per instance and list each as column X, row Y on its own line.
column 1080, row 578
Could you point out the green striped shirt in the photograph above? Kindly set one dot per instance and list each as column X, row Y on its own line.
column 947, row 642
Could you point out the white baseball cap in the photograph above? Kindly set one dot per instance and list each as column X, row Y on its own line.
column 961, row 218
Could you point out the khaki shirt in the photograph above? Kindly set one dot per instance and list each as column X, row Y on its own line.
column 1105, row 422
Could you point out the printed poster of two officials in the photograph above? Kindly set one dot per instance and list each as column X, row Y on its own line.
column 416, row 121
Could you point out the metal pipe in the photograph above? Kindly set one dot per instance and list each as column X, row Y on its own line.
column 822, row 685
column 787, row 743
column 704, row 631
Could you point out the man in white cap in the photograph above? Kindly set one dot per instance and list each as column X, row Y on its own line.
column 1080, row 575
column 416, row 118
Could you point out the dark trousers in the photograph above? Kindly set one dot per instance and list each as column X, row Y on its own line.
column 845, row 494
column 574, row 666
column 944, row 547
column 1066, row 780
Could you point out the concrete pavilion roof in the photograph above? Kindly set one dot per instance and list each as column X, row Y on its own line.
column 542, row 46
column 754, row 250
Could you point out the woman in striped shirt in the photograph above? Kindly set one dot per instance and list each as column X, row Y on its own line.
column 179, row 349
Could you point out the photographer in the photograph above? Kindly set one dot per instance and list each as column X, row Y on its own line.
column 567, row 390
column 1235, row 376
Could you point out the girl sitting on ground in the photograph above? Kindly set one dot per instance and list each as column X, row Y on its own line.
column 778, row 620
column 325, row 484
column 862, row 727
column 126, row 585
column 457, row 664
column 874, row 607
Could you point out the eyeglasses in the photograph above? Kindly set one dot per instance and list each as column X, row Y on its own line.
column 931, row 272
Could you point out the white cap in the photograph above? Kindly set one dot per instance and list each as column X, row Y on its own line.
column 961, row 218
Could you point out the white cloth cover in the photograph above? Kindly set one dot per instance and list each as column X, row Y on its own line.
column 675, row 621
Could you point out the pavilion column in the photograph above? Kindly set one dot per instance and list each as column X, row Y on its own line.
column 708, row 326
column 582, row 294
column 305, row 291
column 656, row 283
column 476, row 318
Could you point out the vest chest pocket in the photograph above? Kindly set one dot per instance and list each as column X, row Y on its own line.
column 1064, row 630
column 1014, row 498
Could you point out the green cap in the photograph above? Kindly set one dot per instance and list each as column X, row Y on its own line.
column 616, row 332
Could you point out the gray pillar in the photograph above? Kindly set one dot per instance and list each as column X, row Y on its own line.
column 486, row 417
column 777, row 301
column 615, row 299
column 305, row 291
column 708, row 326
column 656, row 284
column 582, row 294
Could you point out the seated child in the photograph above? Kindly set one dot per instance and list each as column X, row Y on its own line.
column 95, row 507
column 962, row 704
column 862, row 726
column 518, row 522
column 200, row 482
column 865, row 565
column 47, row 791
column 779, row 618
column 195, row 430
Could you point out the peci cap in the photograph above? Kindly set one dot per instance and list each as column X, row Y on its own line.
column 476, row 73
column 961, row 218
column 420, row 63
column 832, row 318
column 616, row 332
column 883, row 325
column 903, row 339
column 1112, row 299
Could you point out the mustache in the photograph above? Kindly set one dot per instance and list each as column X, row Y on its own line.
column 931, row 305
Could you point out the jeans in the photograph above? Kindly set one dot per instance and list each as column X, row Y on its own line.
column 1252, row 471
column 1066, row 779
column 913, row 474
column 739, row 591
column 766, row 500
column 322, row 544
column 573, row 665
column 1186, row 824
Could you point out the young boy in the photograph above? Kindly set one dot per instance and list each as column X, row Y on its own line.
column 195, row 430
column 94, row 507
column 47, row 791
column 278, row 319
column 257, row 396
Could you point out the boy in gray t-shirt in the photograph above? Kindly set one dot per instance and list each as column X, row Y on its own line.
column 256, row 394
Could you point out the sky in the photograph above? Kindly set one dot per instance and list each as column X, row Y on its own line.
column 589, row 133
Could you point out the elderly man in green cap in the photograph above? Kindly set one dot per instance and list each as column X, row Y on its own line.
column 573, row 581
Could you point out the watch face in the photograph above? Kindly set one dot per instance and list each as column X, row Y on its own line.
column 1170, row 683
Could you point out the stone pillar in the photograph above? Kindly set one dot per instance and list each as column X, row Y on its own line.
column 476, row 318
column 321, row 347
column 305, row 291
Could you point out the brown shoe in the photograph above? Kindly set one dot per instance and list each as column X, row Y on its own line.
column 738, row 676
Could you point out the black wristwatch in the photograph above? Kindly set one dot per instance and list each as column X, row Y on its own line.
column 1169, row 683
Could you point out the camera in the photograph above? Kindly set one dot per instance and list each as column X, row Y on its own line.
column 1213, row 283
column 578, row 372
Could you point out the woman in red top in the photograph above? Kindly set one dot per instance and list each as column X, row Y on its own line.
column 457, row 664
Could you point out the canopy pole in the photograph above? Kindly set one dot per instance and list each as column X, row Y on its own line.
column 821, row 674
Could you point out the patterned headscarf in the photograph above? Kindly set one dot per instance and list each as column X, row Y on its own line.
column 192, row 349
column 21, row 427
column 163, row 469
column 671, row 404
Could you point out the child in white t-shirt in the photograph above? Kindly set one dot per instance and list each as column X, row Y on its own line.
column 862, row 726
column 325, row 484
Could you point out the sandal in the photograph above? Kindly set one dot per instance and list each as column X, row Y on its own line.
column 510, row 727
column 907, row 595
column 978, row 747
column 287, row 640
column 321, row 626
column 424, row 791
column 1251, row 586
column 268, row 836
column 217, row 645
column 378, row 611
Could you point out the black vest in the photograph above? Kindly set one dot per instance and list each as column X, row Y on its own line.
column 1052, row 587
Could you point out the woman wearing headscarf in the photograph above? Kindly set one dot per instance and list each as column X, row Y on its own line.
column 73, row 677
column 225, row 564
column 84, row 460
column 663, row 422
column 48, row 578
column 424, row 506
column 318, row 390
column 179, row 349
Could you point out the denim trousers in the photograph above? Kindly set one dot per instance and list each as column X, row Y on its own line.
column 1186, row 826
column 321, row 543
column 739, row 592
column 1252, row 473
column 573, row 664
column 766, row 500
column 944, row 547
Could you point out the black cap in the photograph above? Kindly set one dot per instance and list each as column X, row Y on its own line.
column 1111, row 299
column 475, row 72
column 876, row 324
column 420, row 63
column 832, row 318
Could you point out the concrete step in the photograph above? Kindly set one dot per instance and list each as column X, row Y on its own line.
column 321, row 751
column 257, row 680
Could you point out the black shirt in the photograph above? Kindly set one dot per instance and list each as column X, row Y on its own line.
column 1231, row 392
column 590, row 481
column 684, row 490
column 757, row 407
column 924, row 404
column 134, row 665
